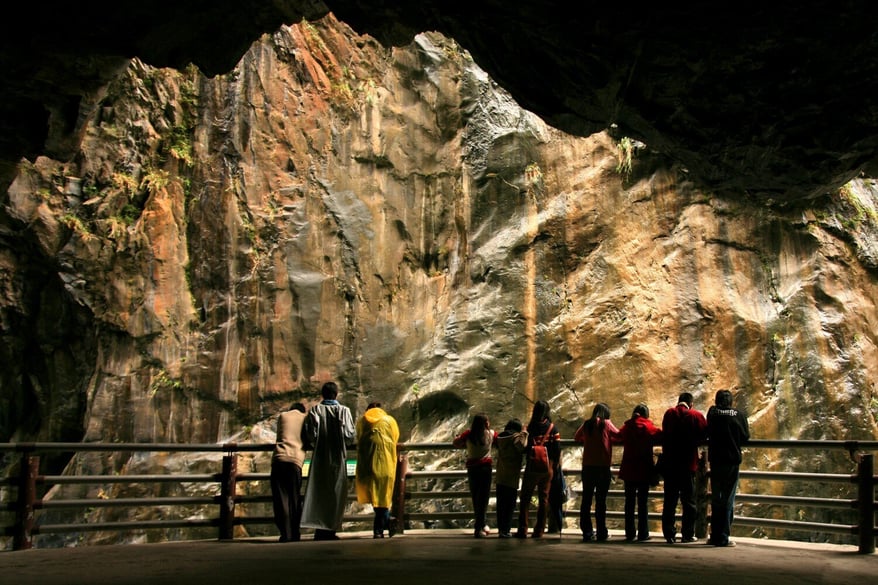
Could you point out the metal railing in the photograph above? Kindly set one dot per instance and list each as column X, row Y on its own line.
column 445, row 493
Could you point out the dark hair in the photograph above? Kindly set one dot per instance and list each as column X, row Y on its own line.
column 373, row 405
column 723, row 399
column 329, row 390
column 513, row 425
column 685, row 397
column 297, row 406
column 540, row 412
column 478, row 429
column 600, row 412
column 640, row 410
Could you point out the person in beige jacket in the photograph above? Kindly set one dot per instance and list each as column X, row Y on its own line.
column 286, row 472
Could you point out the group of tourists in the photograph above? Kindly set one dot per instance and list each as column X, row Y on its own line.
column 683, row 430
column 528, row 463
column 326, row 429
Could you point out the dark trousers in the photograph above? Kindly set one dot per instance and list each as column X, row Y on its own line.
column 723, row 485
column 557, row 497
column 679, row 487
column 636, row 510
column 506, row 497
column 480, row 489
column 595, row 485
column 381, row 522
column 286, row 486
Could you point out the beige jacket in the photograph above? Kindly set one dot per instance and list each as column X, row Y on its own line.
column 288, row 444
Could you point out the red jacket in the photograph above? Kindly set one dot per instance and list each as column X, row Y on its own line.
column 683, row 429
column 638, row 436
column 597, row 447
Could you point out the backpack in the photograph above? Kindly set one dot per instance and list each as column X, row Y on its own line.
column 538, row 456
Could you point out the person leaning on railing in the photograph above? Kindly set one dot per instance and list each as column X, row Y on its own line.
column 727, row 430
column 286, row 472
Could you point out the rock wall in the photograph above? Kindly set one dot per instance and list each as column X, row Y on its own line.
column 392, row 220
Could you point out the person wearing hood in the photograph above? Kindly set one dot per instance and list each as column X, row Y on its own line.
column 638, row 437
column 597, row 435
column 511, row 445
column 377, row 436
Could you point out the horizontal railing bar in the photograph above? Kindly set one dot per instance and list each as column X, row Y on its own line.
column 139, row 447
column 796, row 525
column 123, row 502
column 81, row 479
column 117, row 526
column 443, row 495
column 796, row 500
column 261, row 447
column 799, row 476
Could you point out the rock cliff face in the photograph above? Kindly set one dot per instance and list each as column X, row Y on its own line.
column 391, row 219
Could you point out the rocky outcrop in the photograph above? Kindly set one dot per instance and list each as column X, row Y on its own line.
column 773, row 100
column 393, row 220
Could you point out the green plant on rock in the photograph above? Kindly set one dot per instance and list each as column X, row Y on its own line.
column 626, row 156
column 155, row 180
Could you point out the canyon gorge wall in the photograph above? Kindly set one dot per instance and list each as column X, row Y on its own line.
column 392, row 220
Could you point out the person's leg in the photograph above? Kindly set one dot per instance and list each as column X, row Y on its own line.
column 630, row 494
column 669, row 506
column 687, row 503
column 280, row 498
column 528, row 484
column 481, row 495
column 294, row 502
column 723, row 483
column 603, row 475
column 505, row 508
column 543, row 486
column 588, row 489
column 643, row 511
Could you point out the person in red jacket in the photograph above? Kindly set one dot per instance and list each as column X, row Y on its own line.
column 638, row 437
column 597, row 435
column 683, row 430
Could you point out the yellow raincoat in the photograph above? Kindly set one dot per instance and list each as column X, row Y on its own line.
column 377, row 435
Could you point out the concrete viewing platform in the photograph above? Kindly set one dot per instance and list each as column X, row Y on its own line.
column 451, row 557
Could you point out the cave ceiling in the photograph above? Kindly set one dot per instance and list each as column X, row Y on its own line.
column 772, row 100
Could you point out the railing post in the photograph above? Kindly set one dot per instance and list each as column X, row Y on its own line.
column 397, row 511
column 228, row 493
column 701, row 497
column 866, row 498
column 27, row 495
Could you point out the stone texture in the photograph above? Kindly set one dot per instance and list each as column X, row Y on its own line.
column 773, row 101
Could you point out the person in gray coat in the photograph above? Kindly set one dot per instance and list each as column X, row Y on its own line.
column 329, row 427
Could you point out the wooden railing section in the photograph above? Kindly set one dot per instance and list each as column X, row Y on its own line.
column 22, row 492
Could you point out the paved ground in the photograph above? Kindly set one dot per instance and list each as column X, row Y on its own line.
column 443, row 557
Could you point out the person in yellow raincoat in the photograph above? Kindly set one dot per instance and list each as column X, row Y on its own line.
column 377, row 435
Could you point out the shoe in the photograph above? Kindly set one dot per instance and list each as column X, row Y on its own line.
column 478, row 534
column 486, row 531
column 521, row 534
column 588, row 538
column 729, row 543
column 670, row 539
column 536, row 535
column 644, row 538
column 505, row 535
column 603, row 538
column 690, row 539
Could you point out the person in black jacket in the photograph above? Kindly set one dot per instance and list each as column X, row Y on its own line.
column 727, row 431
